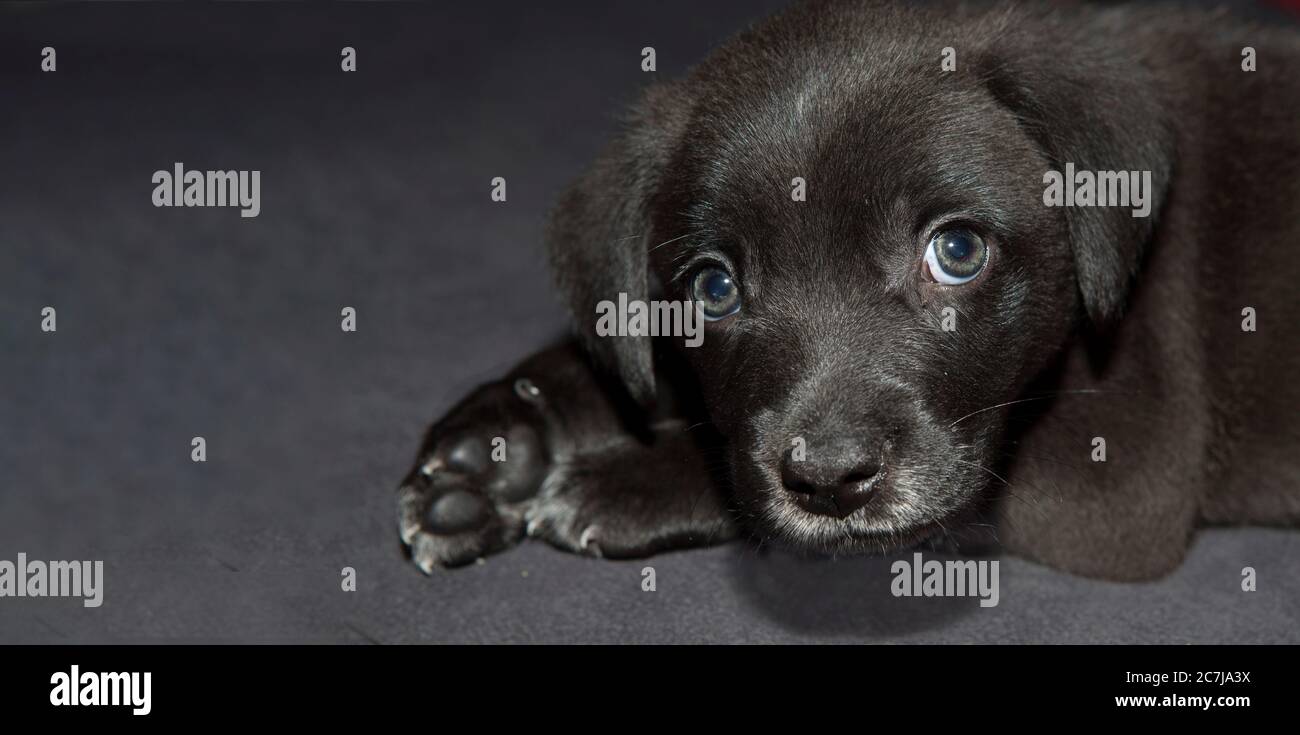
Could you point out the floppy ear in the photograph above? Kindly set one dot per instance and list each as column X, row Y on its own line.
column 1099, row 110
column 598, row 234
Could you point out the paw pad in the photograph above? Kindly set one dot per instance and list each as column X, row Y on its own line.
column 456, row 511
column 477, row 468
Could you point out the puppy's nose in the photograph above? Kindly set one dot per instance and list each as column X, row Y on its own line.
column 833, row 481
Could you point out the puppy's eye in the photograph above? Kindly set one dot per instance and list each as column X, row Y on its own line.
column 955, row 256
column 716, row 292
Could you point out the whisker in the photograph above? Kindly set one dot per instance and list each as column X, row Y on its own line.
column 1023, row 400
column 665, row 242
column 1010, row 490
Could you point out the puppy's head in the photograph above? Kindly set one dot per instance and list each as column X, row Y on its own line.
column 862, row 338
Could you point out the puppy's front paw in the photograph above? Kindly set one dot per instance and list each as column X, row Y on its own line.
column 562, row 521
column 616, row 506
column 477, row 471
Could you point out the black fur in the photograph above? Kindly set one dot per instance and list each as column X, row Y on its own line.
column 1087, row 322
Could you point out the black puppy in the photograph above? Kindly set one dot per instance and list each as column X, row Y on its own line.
column 921, row 342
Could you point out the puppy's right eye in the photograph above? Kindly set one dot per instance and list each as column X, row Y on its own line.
column 716, row 292
column 956, row 256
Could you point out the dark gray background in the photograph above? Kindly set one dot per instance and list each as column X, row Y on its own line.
column 175, row 323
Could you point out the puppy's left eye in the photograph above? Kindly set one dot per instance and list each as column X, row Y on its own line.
column 716, row 292
column 955, row 256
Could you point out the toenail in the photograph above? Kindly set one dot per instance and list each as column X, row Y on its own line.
column 433, row 465
column 408, row 531
column 527, row 390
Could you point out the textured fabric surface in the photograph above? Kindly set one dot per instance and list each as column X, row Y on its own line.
column 175, row 323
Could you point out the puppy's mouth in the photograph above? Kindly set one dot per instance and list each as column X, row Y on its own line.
column 821, row 524
column 898, row 507
column 866, row 530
